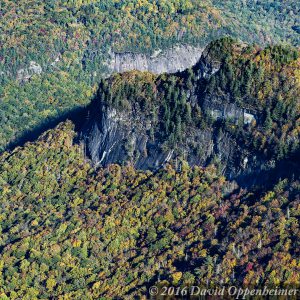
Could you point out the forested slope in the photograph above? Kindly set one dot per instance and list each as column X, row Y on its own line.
column 71, row 232
column 43, row 29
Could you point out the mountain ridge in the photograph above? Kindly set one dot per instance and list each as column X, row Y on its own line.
column 206, row 106
column 203, row 107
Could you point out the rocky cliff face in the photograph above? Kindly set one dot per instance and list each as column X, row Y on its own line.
column 120, row 137
column 123, row 137
column 177, row 58
column 25, row 74
column 170, row 61
column 131, row 134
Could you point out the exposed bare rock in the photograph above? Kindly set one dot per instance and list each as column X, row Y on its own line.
column 113, row 136
column 124, row 136
column 26, row 73
column 170, row 61
column 221, row 108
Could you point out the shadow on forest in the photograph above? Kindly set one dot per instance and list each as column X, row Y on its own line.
column 288, row 167
column 76, row 115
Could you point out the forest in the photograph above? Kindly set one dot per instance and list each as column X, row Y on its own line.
column 69, row 231
column 264, row 81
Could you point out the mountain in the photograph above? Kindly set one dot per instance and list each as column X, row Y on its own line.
column 148, row 144
column 182, row 179
column 49, row 31
column 238, row 107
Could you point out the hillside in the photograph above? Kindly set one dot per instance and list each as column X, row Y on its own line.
column 267, row 75
column 139, row 184
column 69, row 231
column 86, row 29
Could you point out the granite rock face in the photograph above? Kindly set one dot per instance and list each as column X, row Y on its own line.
column 172, row 60
column 220, row 108
column 113, row 136
column 26, row 73
column 120, row 137
column 123, row 136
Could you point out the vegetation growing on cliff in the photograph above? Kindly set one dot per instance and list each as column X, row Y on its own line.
column 71, row 232
column 264, row 82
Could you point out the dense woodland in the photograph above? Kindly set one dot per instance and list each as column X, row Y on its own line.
column 264, row 80
column 71, row 232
